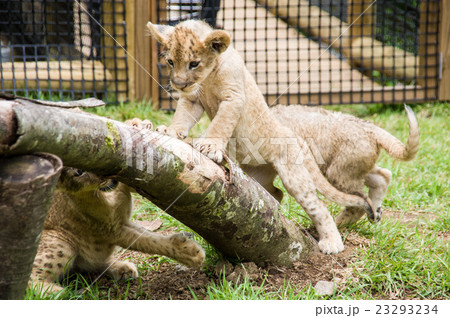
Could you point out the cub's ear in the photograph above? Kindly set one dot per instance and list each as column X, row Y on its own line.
column 217, row 41
column 159, row 32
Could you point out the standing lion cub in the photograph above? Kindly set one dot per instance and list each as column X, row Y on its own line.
column 347, row 151
column 211, row 77
column 89, row 217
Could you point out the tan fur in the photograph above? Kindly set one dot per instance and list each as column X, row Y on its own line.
column 347, row 149
column 219, row 84
column 89, row 217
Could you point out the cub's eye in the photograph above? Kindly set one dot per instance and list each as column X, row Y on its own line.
column 78, row 173
column 170, row 62
column 194, row 64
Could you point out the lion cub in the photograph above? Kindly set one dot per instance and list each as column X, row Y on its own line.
column 210, row 76
column 89, row 217
column 347, row 149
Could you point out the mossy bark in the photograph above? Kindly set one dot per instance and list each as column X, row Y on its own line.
column 239, row 217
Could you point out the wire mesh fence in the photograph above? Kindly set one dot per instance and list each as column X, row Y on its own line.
column 313, row 52
column 62, row 49
column 325, row 52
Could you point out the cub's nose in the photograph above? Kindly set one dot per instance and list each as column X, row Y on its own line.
column 178, row 84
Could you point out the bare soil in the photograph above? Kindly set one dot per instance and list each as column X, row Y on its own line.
column 163, row 280
column 173, row 281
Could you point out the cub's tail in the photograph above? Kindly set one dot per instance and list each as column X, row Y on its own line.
column 394, row 147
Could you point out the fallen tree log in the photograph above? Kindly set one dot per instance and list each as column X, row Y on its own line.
column 239, row 217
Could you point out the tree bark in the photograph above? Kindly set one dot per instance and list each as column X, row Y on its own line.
column 239, row 217
column 27, row 184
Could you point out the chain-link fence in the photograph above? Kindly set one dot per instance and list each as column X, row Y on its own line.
column 299, row 51
column 63, row 49
column 325, row 52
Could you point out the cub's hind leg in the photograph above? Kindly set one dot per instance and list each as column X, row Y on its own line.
column 299, row 184
column 330, row 241
column 121, row 269
column 53, row 259
column 100, row 257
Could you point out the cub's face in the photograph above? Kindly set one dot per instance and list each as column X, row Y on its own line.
column 190, row 59
column 76, row 180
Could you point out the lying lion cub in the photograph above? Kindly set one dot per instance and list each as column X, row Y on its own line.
column 89, row 217
column 347, row 149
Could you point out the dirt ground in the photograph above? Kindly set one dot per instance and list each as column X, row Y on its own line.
column 173, row 281
column 169, row 280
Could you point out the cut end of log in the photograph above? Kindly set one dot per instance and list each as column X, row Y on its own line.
column 8, row 124
column 16, row 170
column 27, row 184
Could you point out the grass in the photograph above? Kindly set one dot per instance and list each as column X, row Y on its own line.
column 405, row 260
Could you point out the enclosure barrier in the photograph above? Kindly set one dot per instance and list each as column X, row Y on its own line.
column 64, row 49
column 335, row 52
column 299, row 51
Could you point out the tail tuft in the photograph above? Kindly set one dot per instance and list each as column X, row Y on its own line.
column 394, row 147
column 412, row 146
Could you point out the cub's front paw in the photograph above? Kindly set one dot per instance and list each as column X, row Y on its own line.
column 331, row 246
column 140, row 124
column 187, row 251
column 210, row 147
column 169, row 131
